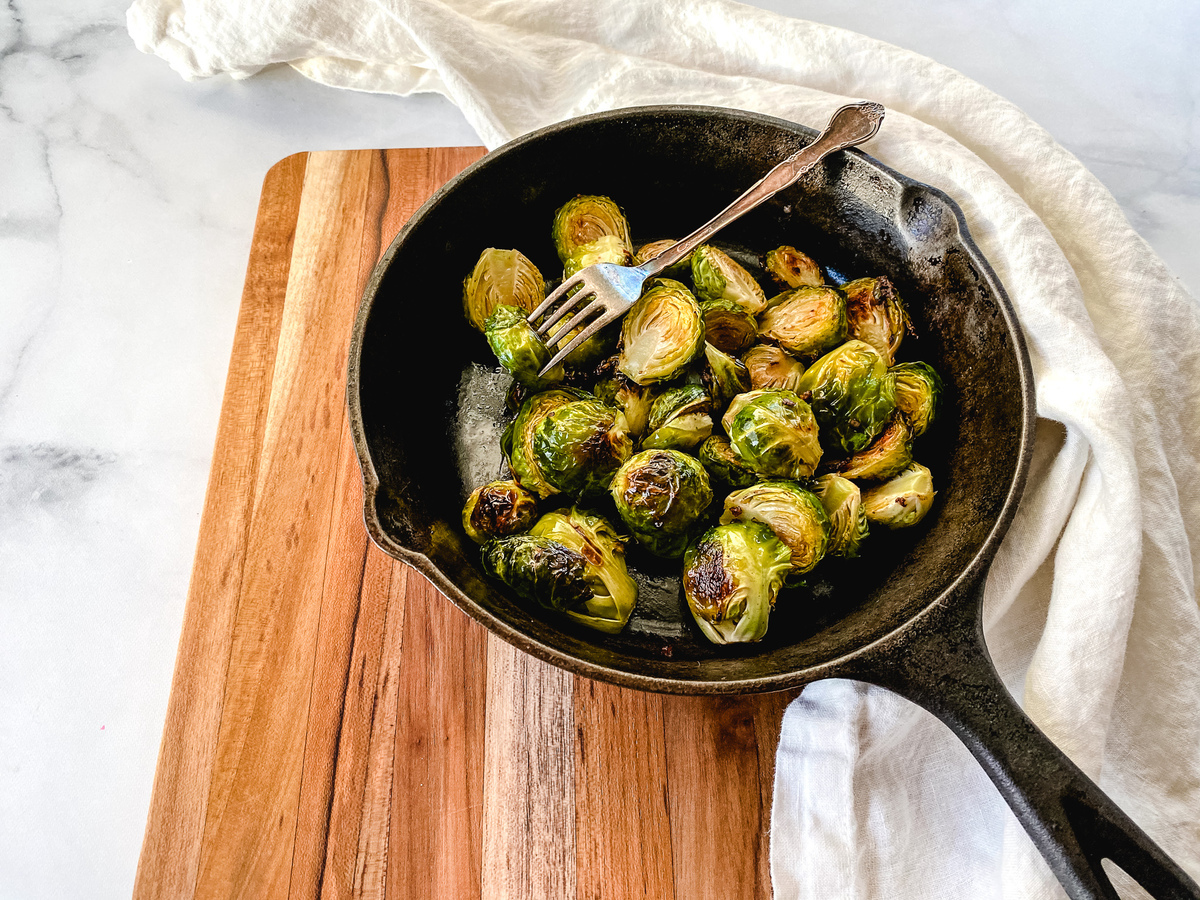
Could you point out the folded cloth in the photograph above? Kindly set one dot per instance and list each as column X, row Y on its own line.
column 1090, row 607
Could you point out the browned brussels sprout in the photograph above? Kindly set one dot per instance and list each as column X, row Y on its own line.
column 539, row 569
column 918, row 394
column 727, row 325
column 725, row 468
column 589, row 230
column 876, row 314
column 792, row 269
column 497, row 510
column 521, row 458
column 519, row 348
column 852, row 395
column 579, row 445
column 902, row 501
column 680, row 419
column 890, row 455
column 731, row 578
column 660, row 496
column 806, row 323
column 794, row 514
column 715, row 275
column 612, row 593
column 771, row 369
column 501, row 277
column 628, row 396
column 647, row 252
column 847, row 518
column 774, row 433
column 662, row 332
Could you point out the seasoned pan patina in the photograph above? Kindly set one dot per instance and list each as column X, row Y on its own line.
column 426, row 408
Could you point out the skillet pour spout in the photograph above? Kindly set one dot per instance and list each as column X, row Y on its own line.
column 427, row 420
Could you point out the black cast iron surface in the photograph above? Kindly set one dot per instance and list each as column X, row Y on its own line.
column 426, row 405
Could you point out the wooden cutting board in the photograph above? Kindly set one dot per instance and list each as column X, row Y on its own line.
column 336, row 727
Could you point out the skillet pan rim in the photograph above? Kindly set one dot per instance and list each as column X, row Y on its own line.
column 971, row 574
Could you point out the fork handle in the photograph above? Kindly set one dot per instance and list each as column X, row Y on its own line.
column 850, row 125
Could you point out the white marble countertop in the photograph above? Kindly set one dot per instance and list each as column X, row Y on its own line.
column 127, row 202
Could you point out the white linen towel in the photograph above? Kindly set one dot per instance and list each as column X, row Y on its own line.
column 1091, row 612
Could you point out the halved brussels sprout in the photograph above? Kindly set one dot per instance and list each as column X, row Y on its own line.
column 852, row 395
column 519, row 348
column 647, row 252
column 715, row 274
column 902, row 501
column 847, row 518
column 731, row 577
column 497, row 510
column 589, row 230
column 727, row 325
column 725, row 468
column 613, row 593
column 501, row 277
column 808, row 322
column 774, row 433
column 771, row 369
column 890, row 455
column 791, row 268
column 723, row 376
column 680, row 419
column 876, row 314
column 519, row 439
column 628, row 396
column 918, row 394
column 660, row 496
column 662, row 332
column 579, row 445
column 795, row 515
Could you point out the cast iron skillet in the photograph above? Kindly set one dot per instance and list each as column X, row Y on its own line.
column 426, row 408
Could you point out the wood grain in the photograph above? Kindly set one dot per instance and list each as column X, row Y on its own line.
column 337, row 728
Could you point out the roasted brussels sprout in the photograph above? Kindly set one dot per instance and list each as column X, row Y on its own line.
column 662, row 332
column 613, row 593
column 876, row 314
column 501, row 277
column 725, row 468
column 890, row 455
column 519, row 348
column 589, row 230
column 902, row 501
column 579, row 445
column 497, row 510
column 728, row 326
column 521, row 458
column 794, row 514
column 808, row 322
column 852, row 396
column 791, row 268
column 715, row 274
column 918, row 394
column 731, row 577
column 572, row 563
column 630, row 397
column 680, row 419
column 660, row 496
column 847, row 518
column 774, row 433
column 647, row 252
column 723, row 376
column 771, row 369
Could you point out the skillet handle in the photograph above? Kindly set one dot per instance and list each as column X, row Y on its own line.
column 942, row 664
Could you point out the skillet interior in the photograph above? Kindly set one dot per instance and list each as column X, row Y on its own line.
column 426, row 399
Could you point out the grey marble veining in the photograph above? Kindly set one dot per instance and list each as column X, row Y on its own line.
column 127, row 201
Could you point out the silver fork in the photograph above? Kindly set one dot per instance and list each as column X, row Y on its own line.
column 612, row 289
